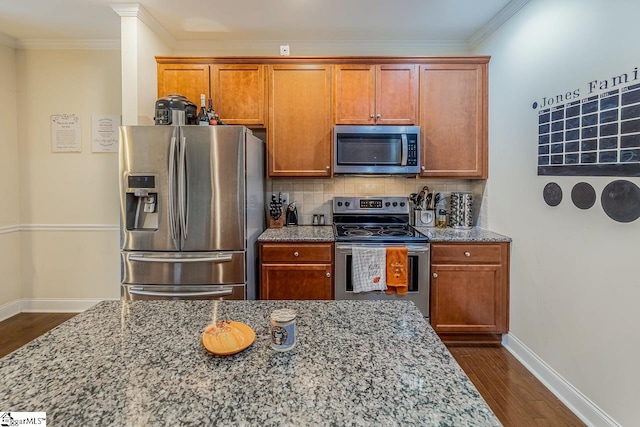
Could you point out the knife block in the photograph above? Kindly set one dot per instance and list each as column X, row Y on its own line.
column 276, row 223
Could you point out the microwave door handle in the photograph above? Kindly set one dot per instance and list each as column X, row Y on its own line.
column 405, row 149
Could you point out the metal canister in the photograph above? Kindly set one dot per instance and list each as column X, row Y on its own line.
column 461, row 212
column 283, row 329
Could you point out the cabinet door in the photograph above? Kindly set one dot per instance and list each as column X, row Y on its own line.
column 453, row 120
column 375, row 94
column 396, row 94
column 190, row 80
column 238, row 93
column 299, row 137
column 296, row 282
column 354, row 94
column 468, row 298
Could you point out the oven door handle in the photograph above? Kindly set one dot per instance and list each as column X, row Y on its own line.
column 413, row 250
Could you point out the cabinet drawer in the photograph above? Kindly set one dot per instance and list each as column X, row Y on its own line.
column 296, row 252
column 466, row 253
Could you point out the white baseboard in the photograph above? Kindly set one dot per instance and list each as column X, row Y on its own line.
column 577, row 402
column 10, row 309
column 47, row 305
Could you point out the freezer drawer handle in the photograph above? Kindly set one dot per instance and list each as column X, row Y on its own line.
column 151, row 258
column 222, row 292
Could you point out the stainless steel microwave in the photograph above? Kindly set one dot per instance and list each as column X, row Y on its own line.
column 376, row 150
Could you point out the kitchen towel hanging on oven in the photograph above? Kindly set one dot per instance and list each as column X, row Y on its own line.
column 397, row 273
column 369, row 269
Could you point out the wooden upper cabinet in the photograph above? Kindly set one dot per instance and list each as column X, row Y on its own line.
column 299, row 136
column 190, row 80
column 238, row 93
column 375, row 94
column 453, row 120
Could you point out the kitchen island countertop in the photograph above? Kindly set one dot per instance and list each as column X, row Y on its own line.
column 142, row 363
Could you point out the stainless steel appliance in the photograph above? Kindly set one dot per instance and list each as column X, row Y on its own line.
column 379, row 221
column 376, row 149
column 175, row 110
column 191, row 210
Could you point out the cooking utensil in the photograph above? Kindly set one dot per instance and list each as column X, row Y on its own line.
column 428, row 201
column 420, row 197
column 436, row 200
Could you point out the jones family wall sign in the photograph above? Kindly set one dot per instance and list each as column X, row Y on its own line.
column 592, row 130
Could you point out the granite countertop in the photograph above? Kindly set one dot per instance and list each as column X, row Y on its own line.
column 298, row 233
column 309, row 233
column 142, row 363
column 453, row 235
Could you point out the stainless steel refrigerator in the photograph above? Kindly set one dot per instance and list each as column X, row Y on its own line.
column 191, row 210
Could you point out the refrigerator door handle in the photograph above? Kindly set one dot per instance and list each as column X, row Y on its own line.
column 172, row 196
column 164, row 259
column 222, row 292
column 182, row 187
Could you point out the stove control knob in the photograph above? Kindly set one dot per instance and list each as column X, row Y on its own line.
column 402, row 204
column 339, row 203
column 387, row 204
column 395, row 204
column 347, row 204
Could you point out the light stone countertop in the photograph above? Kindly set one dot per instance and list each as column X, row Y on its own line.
column 309, row 233
column 452, row 235
column 142, row 363
column 298, row 233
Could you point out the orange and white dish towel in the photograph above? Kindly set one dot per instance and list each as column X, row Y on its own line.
column 397, row 270
column 368, row 269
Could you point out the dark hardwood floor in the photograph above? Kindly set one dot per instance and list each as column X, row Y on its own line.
column 512, row 392
column 18, row 330
column 516, row 397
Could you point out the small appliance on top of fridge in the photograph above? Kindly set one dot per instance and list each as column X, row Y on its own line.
column 191, row 210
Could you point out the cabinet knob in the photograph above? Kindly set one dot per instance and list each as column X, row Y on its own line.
column 328, row 274
column 296, row 253
column 435, row 275
column 327, row 167
column 467, row 254
column 424, row 168
column 372, row 116
column 378, row 115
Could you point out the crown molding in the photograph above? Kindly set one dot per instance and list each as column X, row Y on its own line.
column 501, row 17
column 7, row 40
column 135, row 10
column 322, row 47
column 49, row 44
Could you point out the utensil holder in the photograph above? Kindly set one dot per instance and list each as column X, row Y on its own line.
column 424, row 218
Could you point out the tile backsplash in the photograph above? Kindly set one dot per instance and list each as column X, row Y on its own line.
column 315, row 196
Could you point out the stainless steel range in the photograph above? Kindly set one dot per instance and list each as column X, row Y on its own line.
column 379, row 221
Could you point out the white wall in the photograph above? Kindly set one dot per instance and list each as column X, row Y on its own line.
column 69, row 201
column 9, row 187
column 574, row 279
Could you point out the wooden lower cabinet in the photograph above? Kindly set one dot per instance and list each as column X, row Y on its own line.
column 296, row 271
column 470, row 291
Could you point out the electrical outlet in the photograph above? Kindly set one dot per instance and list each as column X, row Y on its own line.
column 284, row 50
column 285, row 199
